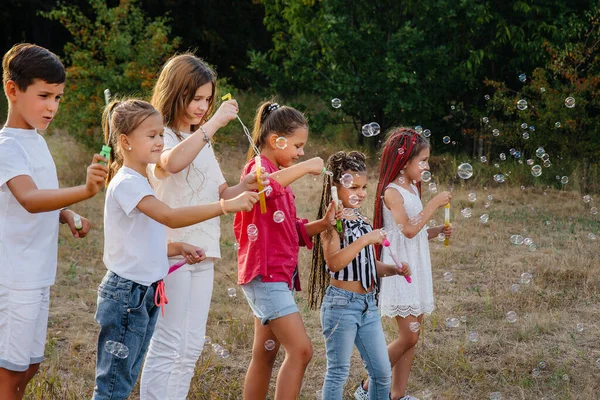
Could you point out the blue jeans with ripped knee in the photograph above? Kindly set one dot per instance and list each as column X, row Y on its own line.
column 350, row 319
column 127, row 316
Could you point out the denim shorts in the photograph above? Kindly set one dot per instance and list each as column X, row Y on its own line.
column 269, row 300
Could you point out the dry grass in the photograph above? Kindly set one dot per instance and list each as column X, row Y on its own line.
column 563, row 292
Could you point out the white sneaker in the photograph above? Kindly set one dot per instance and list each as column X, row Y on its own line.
column 360, row 393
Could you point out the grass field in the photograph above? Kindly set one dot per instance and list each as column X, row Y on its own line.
column 563, row 292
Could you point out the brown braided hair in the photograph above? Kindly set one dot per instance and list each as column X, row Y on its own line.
column 338, row 163
column 401, row 146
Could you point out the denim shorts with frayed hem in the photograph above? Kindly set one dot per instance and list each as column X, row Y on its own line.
column 269, row 300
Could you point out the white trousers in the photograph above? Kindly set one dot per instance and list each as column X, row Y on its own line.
column 179, row 336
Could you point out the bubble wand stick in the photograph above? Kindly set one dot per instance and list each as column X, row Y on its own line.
column 447, row 222
column 257, row 162
column 334, row 196
column 105, row 152
column 386, row 243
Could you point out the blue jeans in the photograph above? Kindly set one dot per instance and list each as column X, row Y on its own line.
column 350, row 318
column 127, row 315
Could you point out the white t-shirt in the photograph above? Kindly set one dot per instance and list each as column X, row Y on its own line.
column 135, row 245
column 197, row 184
column 28, row 242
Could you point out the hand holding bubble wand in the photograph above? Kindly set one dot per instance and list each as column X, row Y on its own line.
column 181, row 263
column 386, row 243
column 105, row 152
column 257, row 162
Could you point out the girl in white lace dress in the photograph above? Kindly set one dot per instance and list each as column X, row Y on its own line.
column 405, row 156
column 188, row 174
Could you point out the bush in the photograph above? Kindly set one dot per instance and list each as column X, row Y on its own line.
column 118, row 48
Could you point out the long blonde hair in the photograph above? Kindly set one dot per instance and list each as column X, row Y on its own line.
column 125, row 116
column 180, row 78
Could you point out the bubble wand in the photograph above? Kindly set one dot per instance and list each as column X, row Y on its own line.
column 334, row 196
column 181, row 263
column 447, row 223
column 257, row 162
column 105, row 152
column 386, row 243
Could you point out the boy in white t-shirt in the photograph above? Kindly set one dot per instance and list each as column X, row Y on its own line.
column 31, row 206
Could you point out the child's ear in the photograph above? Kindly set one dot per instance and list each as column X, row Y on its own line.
column 272, row 141
column 124, row 142
column 10, row 88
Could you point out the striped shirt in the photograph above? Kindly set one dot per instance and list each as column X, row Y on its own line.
column 362, row 267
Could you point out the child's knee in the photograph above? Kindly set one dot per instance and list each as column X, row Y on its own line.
column 303, row 353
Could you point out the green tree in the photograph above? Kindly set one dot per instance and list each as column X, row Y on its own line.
column 119, row 48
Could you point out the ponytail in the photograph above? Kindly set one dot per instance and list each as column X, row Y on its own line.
column 273, row 118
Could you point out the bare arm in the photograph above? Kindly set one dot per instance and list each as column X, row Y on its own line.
column 289, row 175
column 320, row 225
column 36, row 200
column 338, row 258
column 185, row 216
column 384, row 270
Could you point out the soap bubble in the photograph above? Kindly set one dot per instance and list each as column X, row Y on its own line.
column 281, row 142
column 495, row 396
column 366, row 130
column 535, row 372
column 466, row 213
column 532, row 128
column 514, row 287
column 446, row 139
column 374, row 128
column 485, row 120
column 278, row 216
column 452, row 322
column 536, row 170
column 591, row 236
column 593, row 211
column 564, row 180
column 511, row 317
column 539, row 152
column 414, row 221
column 353, row 200
column 587, row 198
column 117, row 349
column 525, row 135
column 473, row 336
column 526, row 278
column 499, row 178
column 270, row 344
column 414, row 327
column 423, row 164
column 530, row 162
column 486, row 97
column 401, row 151
column 432, row 223
column 425, row 176
column 419, row 129
column 579, row 327
column 336, row 103
column 542, row 365
column 522, row 104
column 453, row 107
column 512, row 152
column 523, row 78
column 432, row 187
column 557, row 125
column 463, row 318
column 426, row 133
column 347, row 180
column 598, row 363
column 502, row 156
column 472, row 197
column 524, row 125
column 496, row 132
column 252, row 232
column 441, row 236
column 231, row 292
column 516, row 239
column 448, row 276
column 483, row 159
column 484, row 218
column 565, row 377
column 527, row 241
column 465, row 171
column 570, row 102
column 547, row 163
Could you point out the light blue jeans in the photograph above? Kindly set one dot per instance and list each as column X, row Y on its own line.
column 350, row 318
column 127, row 316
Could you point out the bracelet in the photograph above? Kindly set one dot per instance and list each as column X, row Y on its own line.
column 222, row 201
column 60, row 212
column 206, row 138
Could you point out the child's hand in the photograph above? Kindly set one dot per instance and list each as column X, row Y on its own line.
column 250, row 180
column 442, row 199
column 375, row 237
column 68, row 217
column 333, row 213
column 404, row 271
column 192, row 254
column 96, row 175
column 226, row 112
column 243, row 202
column 315, row 166
column 447, row 230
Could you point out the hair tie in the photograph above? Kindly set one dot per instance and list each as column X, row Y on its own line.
column 272, row 107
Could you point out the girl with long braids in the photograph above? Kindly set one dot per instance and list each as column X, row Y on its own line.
column 405, row 156
column 344, row 277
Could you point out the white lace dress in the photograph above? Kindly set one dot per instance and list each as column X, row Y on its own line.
column 398, row 297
